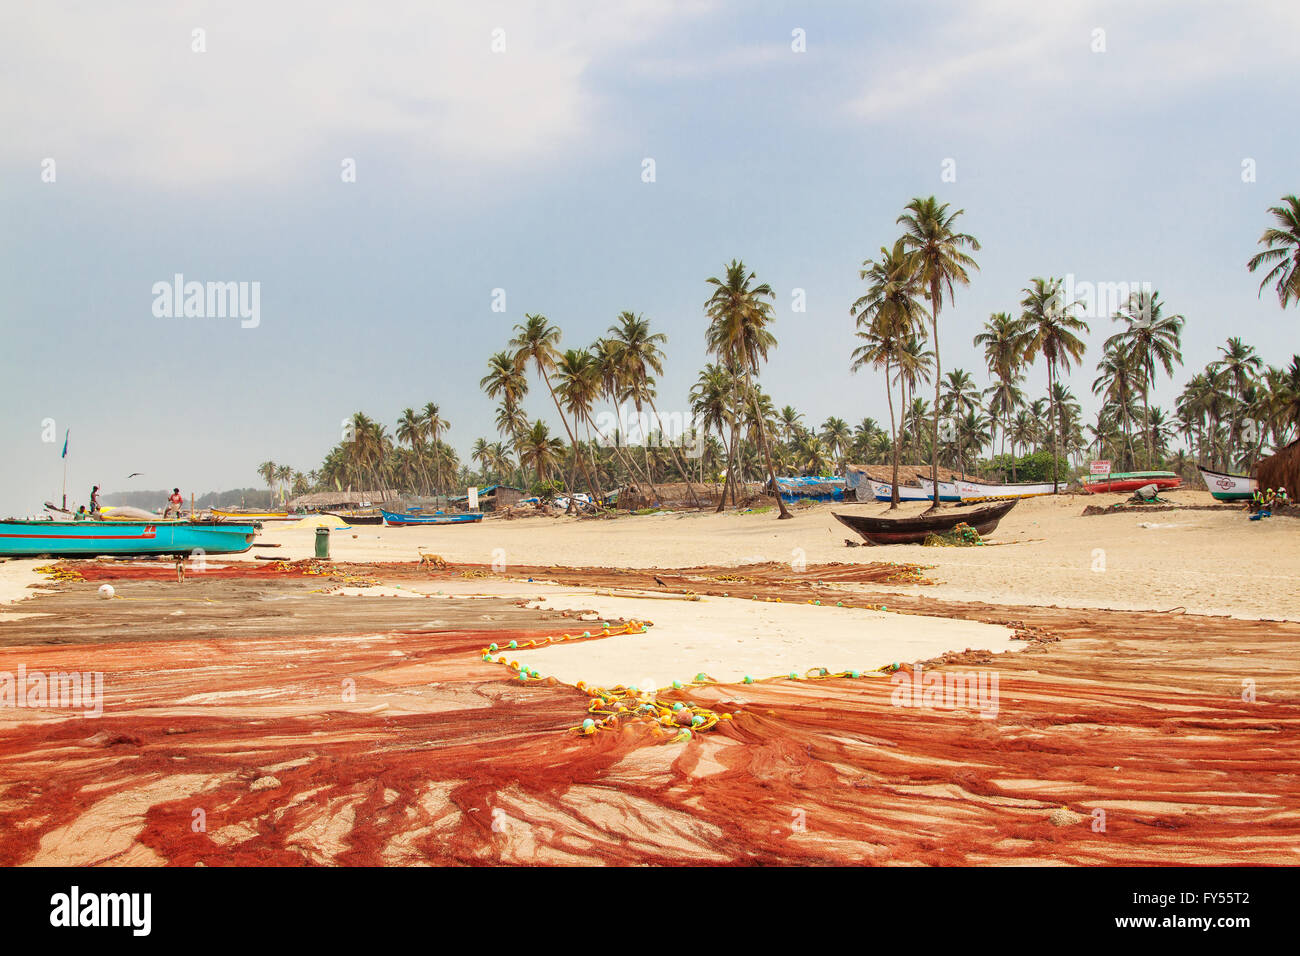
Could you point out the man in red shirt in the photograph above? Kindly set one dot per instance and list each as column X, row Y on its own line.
column 174, row 503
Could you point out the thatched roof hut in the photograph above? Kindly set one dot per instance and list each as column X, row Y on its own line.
column 342, row 499
column 906, row 474
column 676, row 495
column 1281, row 471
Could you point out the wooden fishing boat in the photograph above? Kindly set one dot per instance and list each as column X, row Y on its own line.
column 394, row 520
column 1226, row 487
column 223, row 515
column 91, row 538
column 971, row 490
column 947, row 489
column 358, row 517
column 915, row 529
column 883, row 491
column 1130, row 481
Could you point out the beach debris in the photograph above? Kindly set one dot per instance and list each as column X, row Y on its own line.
column 1064, row 817
column 962, row 536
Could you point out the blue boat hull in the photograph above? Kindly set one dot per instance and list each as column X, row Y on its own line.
column 81, row 539
column 394, row 520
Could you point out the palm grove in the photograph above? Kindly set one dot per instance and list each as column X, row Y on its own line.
column 1226, row 416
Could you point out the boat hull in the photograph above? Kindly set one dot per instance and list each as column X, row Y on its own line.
column 982, row 491
column 883, row 491
column 914, row 530
column 1131, row 481
column 393, row 520
column 356, row 519
column 1226, row 487
column 66, row 539
column 947, row 489
column 244, row 516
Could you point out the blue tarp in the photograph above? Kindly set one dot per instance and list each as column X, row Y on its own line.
column 811, row 488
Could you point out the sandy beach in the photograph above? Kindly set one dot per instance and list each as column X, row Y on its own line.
column 1045, row 553
column 379, row 710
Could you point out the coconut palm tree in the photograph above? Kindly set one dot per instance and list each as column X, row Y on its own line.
column 837, row 436
column 1240, row 365
column 931, row 233
column 1002, row 341
column 889, row 315
column 537, row 341
column 1052, row 330
column 433, row 426
column 637, row 352
column 1115, row 385
column 1150, row 337
column 267, row 470
column 789, row 420
column 410, row 429
column 283, row 475
column 711, row 399
column 579, row 386
column 914, row 364
column 1281, row 253
column 506, row 380
column 541, row 452
column 960, row 398
column 739, row 315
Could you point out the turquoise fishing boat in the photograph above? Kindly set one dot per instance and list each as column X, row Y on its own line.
column 394, row 520
column 83, row 539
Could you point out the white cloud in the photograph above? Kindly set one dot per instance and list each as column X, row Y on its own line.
column 982, row 56
column 117, row 90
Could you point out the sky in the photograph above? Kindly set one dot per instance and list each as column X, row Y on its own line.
column 379, row 170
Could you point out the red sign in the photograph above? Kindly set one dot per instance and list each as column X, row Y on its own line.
column 1100, row 467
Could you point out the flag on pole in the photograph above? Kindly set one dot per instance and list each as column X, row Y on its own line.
column 65, row 442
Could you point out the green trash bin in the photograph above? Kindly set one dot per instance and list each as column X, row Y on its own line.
column 323, row 543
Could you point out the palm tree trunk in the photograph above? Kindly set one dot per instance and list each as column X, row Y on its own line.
column 762, row 444
column 1051, row 400
column 676, row 458
column 938, row 372
column 573, row 442
column 893, row 428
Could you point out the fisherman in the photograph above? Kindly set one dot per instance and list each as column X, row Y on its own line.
column 94, row 500
column 81, row 514
column 174, row 503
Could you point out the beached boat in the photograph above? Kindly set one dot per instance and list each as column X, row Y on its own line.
column 358, row 517
column 971, row 490
column 1226, row 487
column 915, row 529
column 947, row 489
column 80, row 539
column 394, row 520
column 223, row 515
column 1130, row 481
column 883, row 491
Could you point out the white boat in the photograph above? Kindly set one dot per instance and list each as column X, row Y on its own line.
column 947, row 489
column 975, row 490
column 883, row 491
column 1225, row 487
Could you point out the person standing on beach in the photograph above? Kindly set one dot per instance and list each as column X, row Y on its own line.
column 94, row 500
column 174, row 503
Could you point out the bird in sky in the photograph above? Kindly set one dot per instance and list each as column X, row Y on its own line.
column 134, row 473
